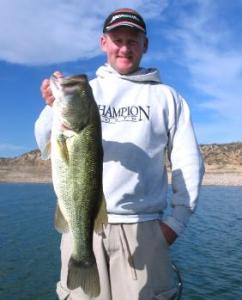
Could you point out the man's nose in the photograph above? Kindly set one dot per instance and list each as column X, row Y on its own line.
column 125, row 47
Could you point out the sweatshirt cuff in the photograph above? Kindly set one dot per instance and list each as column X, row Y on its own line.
column 179, row 219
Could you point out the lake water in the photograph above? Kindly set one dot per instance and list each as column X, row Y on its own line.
column 208, row 255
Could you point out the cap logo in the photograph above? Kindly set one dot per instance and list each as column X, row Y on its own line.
column 124, row 16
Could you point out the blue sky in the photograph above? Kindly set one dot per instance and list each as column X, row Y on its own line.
column 196, row 45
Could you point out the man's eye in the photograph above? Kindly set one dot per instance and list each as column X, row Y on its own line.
column 133, row 42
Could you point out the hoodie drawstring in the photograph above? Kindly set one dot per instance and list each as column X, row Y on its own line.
column 127, row 252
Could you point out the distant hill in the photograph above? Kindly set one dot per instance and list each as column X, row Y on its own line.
column 29, row 167
column 222, row 154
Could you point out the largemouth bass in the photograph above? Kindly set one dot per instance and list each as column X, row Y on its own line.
column 77, row 160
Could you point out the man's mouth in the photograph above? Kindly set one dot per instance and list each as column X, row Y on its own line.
column 125, row 57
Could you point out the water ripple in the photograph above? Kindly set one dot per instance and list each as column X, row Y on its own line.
column 208, row 255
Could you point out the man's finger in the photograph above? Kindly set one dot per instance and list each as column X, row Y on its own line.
column 58, row 74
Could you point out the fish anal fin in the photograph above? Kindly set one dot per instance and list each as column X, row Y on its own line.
column 84, row 276
column 101, row 218
column 61, row 224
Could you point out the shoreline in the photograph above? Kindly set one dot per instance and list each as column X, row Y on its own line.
column 211, row 178
column 223, row 179
column 223, row 166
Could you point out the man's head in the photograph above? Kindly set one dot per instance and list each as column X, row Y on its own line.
column 124, row 40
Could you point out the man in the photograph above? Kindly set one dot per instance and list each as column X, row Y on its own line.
column 142, row 120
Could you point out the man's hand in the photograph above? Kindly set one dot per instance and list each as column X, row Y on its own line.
column 169, row 233
column 46, row 91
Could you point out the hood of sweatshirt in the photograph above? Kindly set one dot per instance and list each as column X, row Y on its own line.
column 142, row 75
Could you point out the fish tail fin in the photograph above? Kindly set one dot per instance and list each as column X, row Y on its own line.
column 84, row 276
column 61, row 224
column 101, row 218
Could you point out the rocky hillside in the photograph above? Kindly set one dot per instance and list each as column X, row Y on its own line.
column 29, row 167
column 222, row 154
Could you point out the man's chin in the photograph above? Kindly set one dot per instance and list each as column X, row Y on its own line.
column 126, row 69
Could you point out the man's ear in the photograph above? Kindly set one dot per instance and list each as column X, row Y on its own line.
column 146, row 44
column 103, row 42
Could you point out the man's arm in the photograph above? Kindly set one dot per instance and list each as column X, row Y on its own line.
column 44, row 123
column 186, row 165
column 42, row 131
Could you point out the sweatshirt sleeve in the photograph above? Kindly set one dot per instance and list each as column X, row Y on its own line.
column 43, row 131
column 186, row 164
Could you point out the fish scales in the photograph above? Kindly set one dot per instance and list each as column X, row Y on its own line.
column 80, row 167
column 77, row 158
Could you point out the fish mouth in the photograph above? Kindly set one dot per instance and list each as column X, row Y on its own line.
column 74, row 80
column 69, row 82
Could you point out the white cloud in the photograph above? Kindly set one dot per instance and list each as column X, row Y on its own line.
column 56, row 31
column 205, row 44
column 12, row 150
column 11, row 147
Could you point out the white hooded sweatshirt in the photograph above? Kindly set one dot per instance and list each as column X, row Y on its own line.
column 142, row 120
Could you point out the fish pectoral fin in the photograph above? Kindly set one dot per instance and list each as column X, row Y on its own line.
column 63, row 150
column 101, row 218
column 61, row 224
column 46, row 152
column 84, row 276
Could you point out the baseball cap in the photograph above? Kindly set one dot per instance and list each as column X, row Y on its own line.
column 124, row 17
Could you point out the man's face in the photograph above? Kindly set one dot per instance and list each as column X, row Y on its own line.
column 124, row 48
